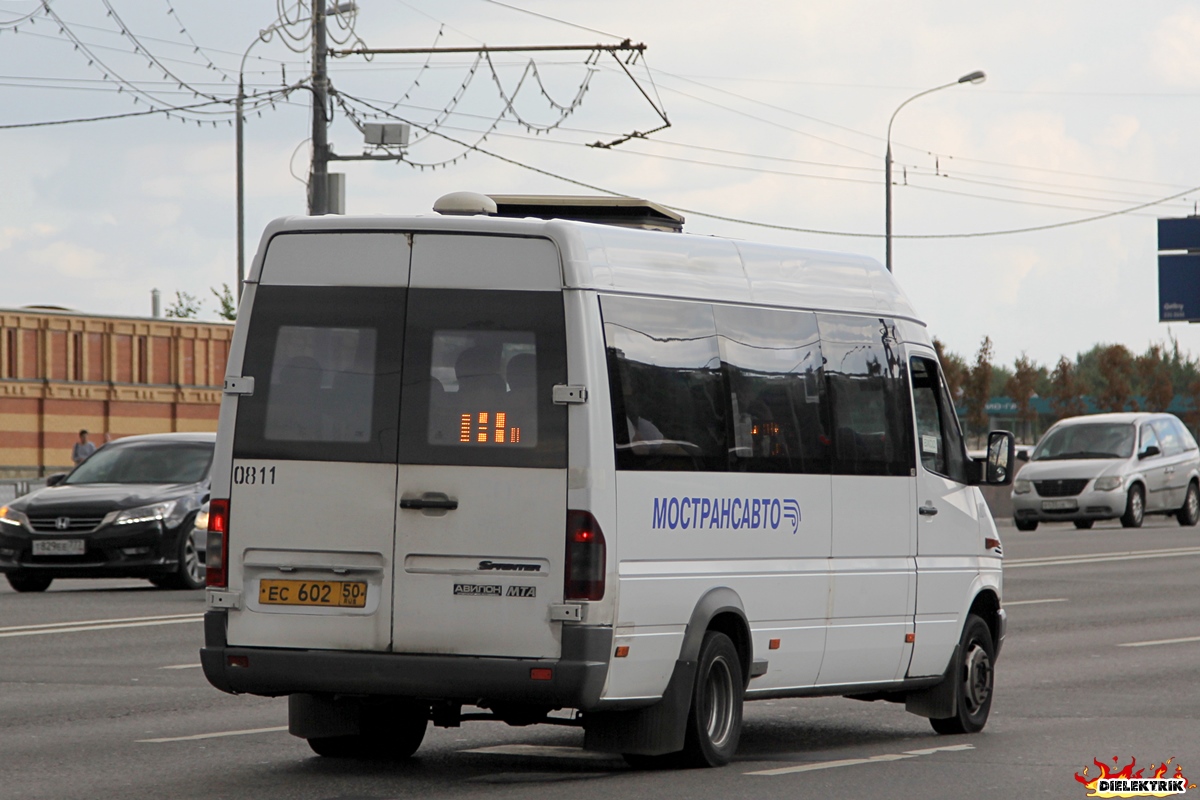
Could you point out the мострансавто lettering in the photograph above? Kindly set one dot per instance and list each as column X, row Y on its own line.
column 726, row 513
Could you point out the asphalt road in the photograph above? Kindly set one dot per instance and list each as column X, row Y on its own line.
column 101, row 696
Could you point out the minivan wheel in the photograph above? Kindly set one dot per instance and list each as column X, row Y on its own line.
column 714, row 722
column 974, row 680
column 1189, row 514
column 29, row 583
column 1084, row 524
column 1135, row 508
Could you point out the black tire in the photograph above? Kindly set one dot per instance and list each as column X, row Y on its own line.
column 390, row 732
column 29, row 583
column 1084, row 524
column 1026, row 524
column 190, row 572
column 714, row 723
column 1135, row 508
column 974, row 679
column 1189, row 514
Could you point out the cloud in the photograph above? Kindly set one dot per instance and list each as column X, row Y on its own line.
column 70, row 260
column 1175, row 48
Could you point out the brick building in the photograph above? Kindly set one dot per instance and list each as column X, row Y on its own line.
column 62, row 371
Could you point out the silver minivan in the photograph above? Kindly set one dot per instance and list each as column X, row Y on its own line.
column 1110, row 466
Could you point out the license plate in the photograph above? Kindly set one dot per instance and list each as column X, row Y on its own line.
column 1059, row 505
column 332, row 594
column 58, row 547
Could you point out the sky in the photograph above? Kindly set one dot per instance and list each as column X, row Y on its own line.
column 778, row 113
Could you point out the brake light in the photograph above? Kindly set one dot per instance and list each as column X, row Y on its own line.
column 585, row 564
column 216, row 573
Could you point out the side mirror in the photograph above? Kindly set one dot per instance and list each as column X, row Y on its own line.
column 55, row 479
column 1152, row 450
column 997, row 470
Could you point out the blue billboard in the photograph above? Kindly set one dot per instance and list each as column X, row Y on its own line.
column 1179, row 273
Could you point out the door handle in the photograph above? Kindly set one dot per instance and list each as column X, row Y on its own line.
column 430, row 500
column 927, row 511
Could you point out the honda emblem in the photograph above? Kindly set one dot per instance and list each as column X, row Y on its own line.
column 62, row 523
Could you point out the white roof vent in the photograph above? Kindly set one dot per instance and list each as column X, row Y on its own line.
column 465, row 204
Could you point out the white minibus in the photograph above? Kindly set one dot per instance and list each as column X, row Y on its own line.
column 601, row 473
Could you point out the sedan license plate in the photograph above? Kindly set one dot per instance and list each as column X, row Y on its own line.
column 58, row 547
column 1059, row 505
column 331, row 594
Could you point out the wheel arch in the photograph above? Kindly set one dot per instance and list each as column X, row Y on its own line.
column 719, row 609
column 986, row 606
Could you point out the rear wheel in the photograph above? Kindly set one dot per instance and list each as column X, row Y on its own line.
column 974, row 680
column 1026, row 524
column 714, row 722
column 389, row 732
column 1189, row 514
column 1135, row 508
column 1084, row 524
column 29, row 583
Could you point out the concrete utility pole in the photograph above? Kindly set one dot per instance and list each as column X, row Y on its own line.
column 318, row 188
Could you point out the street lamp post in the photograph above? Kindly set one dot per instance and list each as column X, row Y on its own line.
column 977, row 76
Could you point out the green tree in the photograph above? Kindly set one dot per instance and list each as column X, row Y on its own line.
column 186, row 306
column 953, row 368
column 1066, row 397
column 1154, row 378
column 977, row 388
column 1114, row 391
column 228, row 309
column 1020, row 388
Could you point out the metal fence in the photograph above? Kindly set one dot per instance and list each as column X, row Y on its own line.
column 12, row 488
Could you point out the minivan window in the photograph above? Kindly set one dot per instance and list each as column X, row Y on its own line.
column 326, row 367
column 1087, row 440
column 1168, row 437
column 480, row 368
column 145, row 462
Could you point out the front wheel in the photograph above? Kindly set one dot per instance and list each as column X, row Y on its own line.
column 1189, row 514
column 974, row 680
column 29, row 583
column 1026, row 524
column 1135, row 508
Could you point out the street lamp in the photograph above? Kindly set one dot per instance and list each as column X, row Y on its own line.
column 978, row 76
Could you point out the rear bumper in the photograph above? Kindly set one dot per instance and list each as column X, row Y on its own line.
column 577, row 678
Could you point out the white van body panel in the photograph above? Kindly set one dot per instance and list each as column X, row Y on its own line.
column 319, row 259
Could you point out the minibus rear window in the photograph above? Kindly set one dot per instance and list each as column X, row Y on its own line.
column 326, row 367
column 479, row 373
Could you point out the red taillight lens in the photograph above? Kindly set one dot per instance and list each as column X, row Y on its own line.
column 585, row 567
column 216, row 574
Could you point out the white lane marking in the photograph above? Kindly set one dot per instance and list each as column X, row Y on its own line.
column 1161, row 641
column 101, row 627
column 543, row 751
column 97, row 622
column 183, row 666
column 1008, row 603
column 851, row 762
column 1099, row 558
column 217, row 735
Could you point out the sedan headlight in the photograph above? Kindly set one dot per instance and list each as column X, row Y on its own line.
column 1108, row 483
column 9, row 516
column 158, row 512
column 1022, row 486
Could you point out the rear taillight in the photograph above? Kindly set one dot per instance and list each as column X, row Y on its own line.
column 585, row 566
column 216, row 574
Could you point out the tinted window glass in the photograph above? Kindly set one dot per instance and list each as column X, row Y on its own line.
column 479, row 372
column 668, row 396
column 871, row 419
column 939, row 440
column 1168, row 437
column 776, row 388
column 326, row 367
column 146, row 462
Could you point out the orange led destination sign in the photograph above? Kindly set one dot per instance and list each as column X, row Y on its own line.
column 486, row 427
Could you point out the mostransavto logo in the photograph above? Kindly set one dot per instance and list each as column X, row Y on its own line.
column 1124, row 782
column 726, row 513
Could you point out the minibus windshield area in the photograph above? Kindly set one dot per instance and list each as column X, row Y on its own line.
column 1087, row 440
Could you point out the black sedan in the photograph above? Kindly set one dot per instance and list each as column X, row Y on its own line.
column 126, row 512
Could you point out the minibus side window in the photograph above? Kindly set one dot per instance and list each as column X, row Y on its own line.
column 939, row 440
column 326, row 367
column 778, row 412
column 480, row 368
column 871, row 420
column 668, row 396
